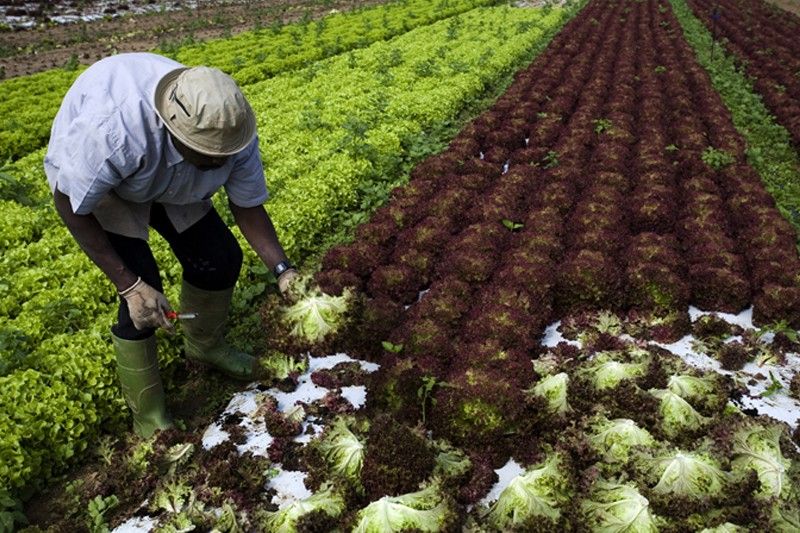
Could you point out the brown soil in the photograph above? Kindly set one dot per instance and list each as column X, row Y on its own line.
column 792, row 6
column 50, row 46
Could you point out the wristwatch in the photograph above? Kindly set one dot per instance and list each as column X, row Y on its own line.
column 281, row 267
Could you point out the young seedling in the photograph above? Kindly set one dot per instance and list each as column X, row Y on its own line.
column 774, row 387
column 98, row 507
column 392, row 348
column 551, row 159
column 511, row 225
column 782, row 326
column 602, row 125
column 105, row 449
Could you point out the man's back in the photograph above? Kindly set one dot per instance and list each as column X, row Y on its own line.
column 117, row 81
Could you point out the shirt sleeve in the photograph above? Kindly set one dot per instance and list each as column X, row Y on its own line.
column 97, row 155
column 247, row 186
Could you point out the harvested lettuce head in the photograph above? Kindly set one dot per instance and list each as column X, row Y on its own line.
column 429, row 509
column 616, row 438
column 342, row 450
column 605, row 372
column 706, row 392
column 677, row 415
column 757, row 447
column 690, row 387
column 618, row 508
column 691, row 475
column 785, row 518
column 276, row 365
column 532, row 497
column 554, row 390
column 325, row 503
column 315, row 315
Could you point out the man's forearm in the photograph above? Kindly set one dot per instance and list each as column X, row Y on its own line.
column 257, row 228
column 94, row 242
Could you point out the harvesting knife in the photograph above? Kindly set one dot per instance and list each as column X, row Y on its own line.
column 172, row 315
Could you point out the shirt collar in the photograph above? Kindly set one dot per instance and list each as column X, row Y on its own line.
column 172, row 155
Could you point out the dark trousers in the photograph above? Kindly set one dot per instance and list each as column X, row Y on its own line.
column 208, row 252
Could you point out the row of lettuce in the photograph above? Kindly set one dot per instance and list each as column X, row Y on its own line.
column 362, row 134
column 28, row 104
column 763, row 39
column 339, row 130
column 613, row 432
column 769, row 144
column 254, row 56
column 694, row 231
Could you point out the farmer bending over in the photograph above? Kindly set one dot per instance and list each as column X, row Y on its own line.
column 141, row 141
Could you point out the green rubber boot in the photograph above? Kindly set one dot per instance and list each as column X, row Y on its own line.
column 205, row 341
column 137, row 368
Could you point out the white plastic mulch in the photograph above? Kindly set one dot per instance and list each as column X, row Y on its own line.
column 288, row 484
column 290, row 487
column 137, row 524
column 757, row 378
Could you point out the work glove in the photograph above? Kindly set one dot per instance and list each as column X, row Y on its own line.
column 285, row 283
column 147, row 306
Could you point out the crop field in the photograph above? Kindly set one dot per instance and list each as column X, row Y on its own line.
column 765, row 43
column 551, row 283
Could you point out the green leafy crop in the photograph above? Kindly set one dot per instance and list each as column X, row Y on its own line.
column 757, row 447
column 554, row 389
column 428, row 509
column 616, row 438
column 316, row 315
column 538, row 494
column 769, row 147
column 717, row 159
column 606, row 372
column 326, row 501
column 688, row 475
column 343, row 450
column 617, row 508
column 677, row 414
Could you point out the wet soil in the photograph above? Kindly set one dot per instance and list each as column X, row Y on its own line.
column 50, row 45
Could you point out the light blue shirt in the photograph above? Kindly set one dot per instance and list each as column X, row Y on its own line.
column 110, row 153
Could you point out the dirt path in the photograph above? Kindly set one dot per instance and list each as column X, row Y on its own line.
column 49, row 46
column 793, row 6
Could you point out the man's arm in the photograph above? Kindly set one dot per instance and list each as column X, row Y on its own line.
column 146, row 305
column 93, row 241
column 257, row 228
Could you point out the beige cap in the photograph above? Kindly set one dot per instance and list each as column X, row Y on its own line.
column 205, row 109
